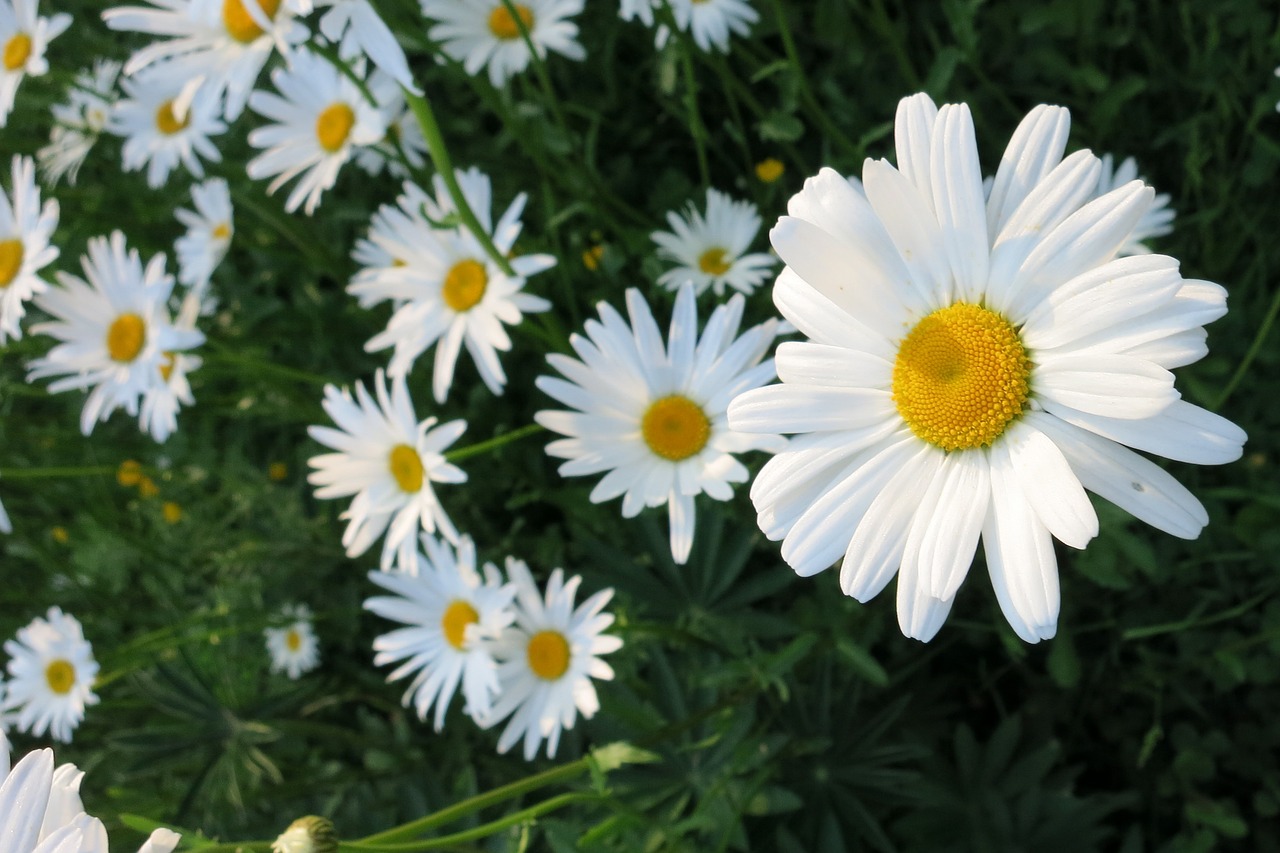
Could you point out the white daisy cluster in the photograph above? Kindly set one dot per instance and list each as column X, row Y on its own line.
column 519, row 655
column 79, row 121
column 51, row 674
column 293, row 645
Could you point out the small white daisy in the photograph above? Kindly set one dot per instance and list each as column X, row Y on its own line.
column 445, row 286
column 25, row 229
column 453, row 616
column 51, row 674
column 114, row 329
column 24, row 37
column 358, row 31
column 652, row 415
column 320, row 118
column 711, row 251
column 484, row 33
column 210, row 228
column 161, row 402
column 388, row 460
column 402, row 137
column 547, row 661
column 1156, row 222
column 713, row 21
column 293, row 646
column 79, row 121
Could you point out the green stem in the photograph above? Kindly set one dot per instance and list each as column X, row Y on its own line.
column 1242, row 369
column 539, row 68
column 55, row 472
column 482, row 831
column 1195, row 620
column 493, row 443
column 696, row 128
column 228, row 357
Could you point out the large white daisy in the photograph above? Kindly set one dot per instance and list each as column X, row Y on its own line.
column 711, row 251
column 484, row 33
column 388, row 459
column 453, row 617
column 652, row 415
column 972, row 369
column 293, row 646
column 23, row 38
column 25, row 228
column 51, row 673
column 79, row 121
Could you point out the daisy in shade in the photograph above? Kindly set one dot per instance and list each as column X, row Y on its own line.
column 355, row 27
column 51, row 673
column 711, row 250
column 321, row 118
column 163, row 399
column 23, row 39
column 388, row 459
column 1156, row 222
column 25, row 228
column 547, row 661
column 484, row 33
column 403, row 135
column 114, row 329
column 209, row 230
column 972, row 369
column 447, row 288
column 79, row 121
column 293, row 646
column 452, row 617
column 713, row 21
column 652, row 415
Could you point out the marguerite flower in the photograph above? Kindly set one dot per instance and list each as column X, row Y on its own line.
column 480, row 33
column 51, row 673
column 25, row 228
column 713, row 21
column 388, row 460
column 453, row 617
column 973, row 367
column 402, row 136
column 114, row 329
column 1156, row 222
column 293, row 646
column 711, row 251
column 321, row 117
column 79, row 121
column 161, row 401
column 209, row 230
column 24, row 37
column 653, row 415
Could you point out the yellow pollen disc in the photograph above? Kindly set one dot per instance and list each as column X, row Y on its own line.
column 239, row 24
column 502, row 25
column 675, row 427
column 548, row 654
column 166, row 365
column 961, row 377
column 10, row 261
column 293, row 640
column 125, row 337
column 457, row 616
column 713, row 261
column 168, row 123
column 61, row 676
column 333, row 125
column 406, row 467
column 222, row 231
column 464, row 285
column 769, row 170
column 16, row 51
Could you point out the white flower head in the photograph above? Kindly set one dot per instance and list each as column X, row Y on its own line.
column 25, row 228
column 402, row 136
column 79, row 121
column 163, row 399
column 484, row 33
column 51, row 673
column 23, row 39
column 210, row 228
column 388, row 459
column 986, row 365
column 293, row 646
column 711, row 251
column 713, row 21
column 1156, row 222
column 452, row 617
column 651, row 415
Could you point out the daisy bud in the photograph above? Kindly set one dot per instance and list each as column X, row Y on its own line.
column 308, row 834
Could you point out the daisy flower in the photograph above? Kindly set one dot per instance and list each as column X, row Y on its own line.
column 713, row 21
column 293, row 646
column 710, row 251
column 484, row 33
column 209, row 230
column 1156, row 222
column 388, row 460
column 114, row 329
column 154, row 135
column 547, row 661
column 446, row 287
column 25, row 37
column 51, row 673
column 402, row 135
column 651, row 414
column 78, row 122
column 453, row 617
column 355, row 27
column 973, row 367
column 25, row 228
column 321, row 116
column 163, row 399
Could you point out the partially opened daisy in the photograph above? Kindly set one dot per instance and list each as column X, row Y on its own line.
column 651, row 416
column 293, row 645
column 25, row 228
column 452, row 617
column 79, row 121
column 711, row 22
column 484, row 33
column 51, row 673
column 711, row 251
column 23, row 38
column 388, row 459
column 1156, row 222
column 972, row 369
column 209, row 230
column 547, row 661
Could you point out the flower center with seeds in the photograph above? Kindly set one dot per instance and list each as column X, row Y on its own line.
column 240, row 24
column 293, row 640
column 222, row 231
column 168, row 123
column 61, row 676
column 504, row 26
column 125, row 337
column 16, row 51
column 713, row 261
column 961, row 377
column 406, row 467
column 548, row 654
column 464, row 285
column 675, row 427
column 333, row 126
column 457, row 616
column 10, row 261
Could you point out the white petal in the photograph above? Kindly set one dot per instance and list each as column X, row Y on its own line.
column 1184, row 432
column 1114, row 385
column 1020, row 560
column 1051, row 487
column 957, row 199
column 1034, row 149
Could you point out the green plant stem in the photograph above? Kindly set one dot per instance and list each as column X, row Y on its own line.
column 696, row 128
column 493, row 443
column 56, row 472
column 1195, row 620
column 539, row 68
column 1242, row 369
column 482, row 831
column 234, row 846
column 226, row 356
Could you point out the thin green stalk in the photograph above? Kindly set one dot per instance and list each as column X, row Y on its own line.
column 1242, row 369
column 53, row 473
column 227, row 356
column 482, row 831
column 889, row 35
column 539, row 68
column 696, row 127
column 492, row 443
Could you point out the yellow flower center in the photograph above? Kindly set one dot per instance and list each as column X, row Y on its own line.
column 125, row 337
column 10, row 261
column 61, row 676
column 406, row 467
column 222, row 231
column 457, row 616
column 961, row 377
column 60, row 534
column 129, row 473
column 675, row 427
column 293, row 640
column 333, row 125
column 16, row 51
column 464, row 285
column 277, row 471
column 548, row 654
column 172, row 512
column 504, row 26
column 240, row 25
column 769, row 170
column 713, row 261
column 167, row 361
column 168, row 123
